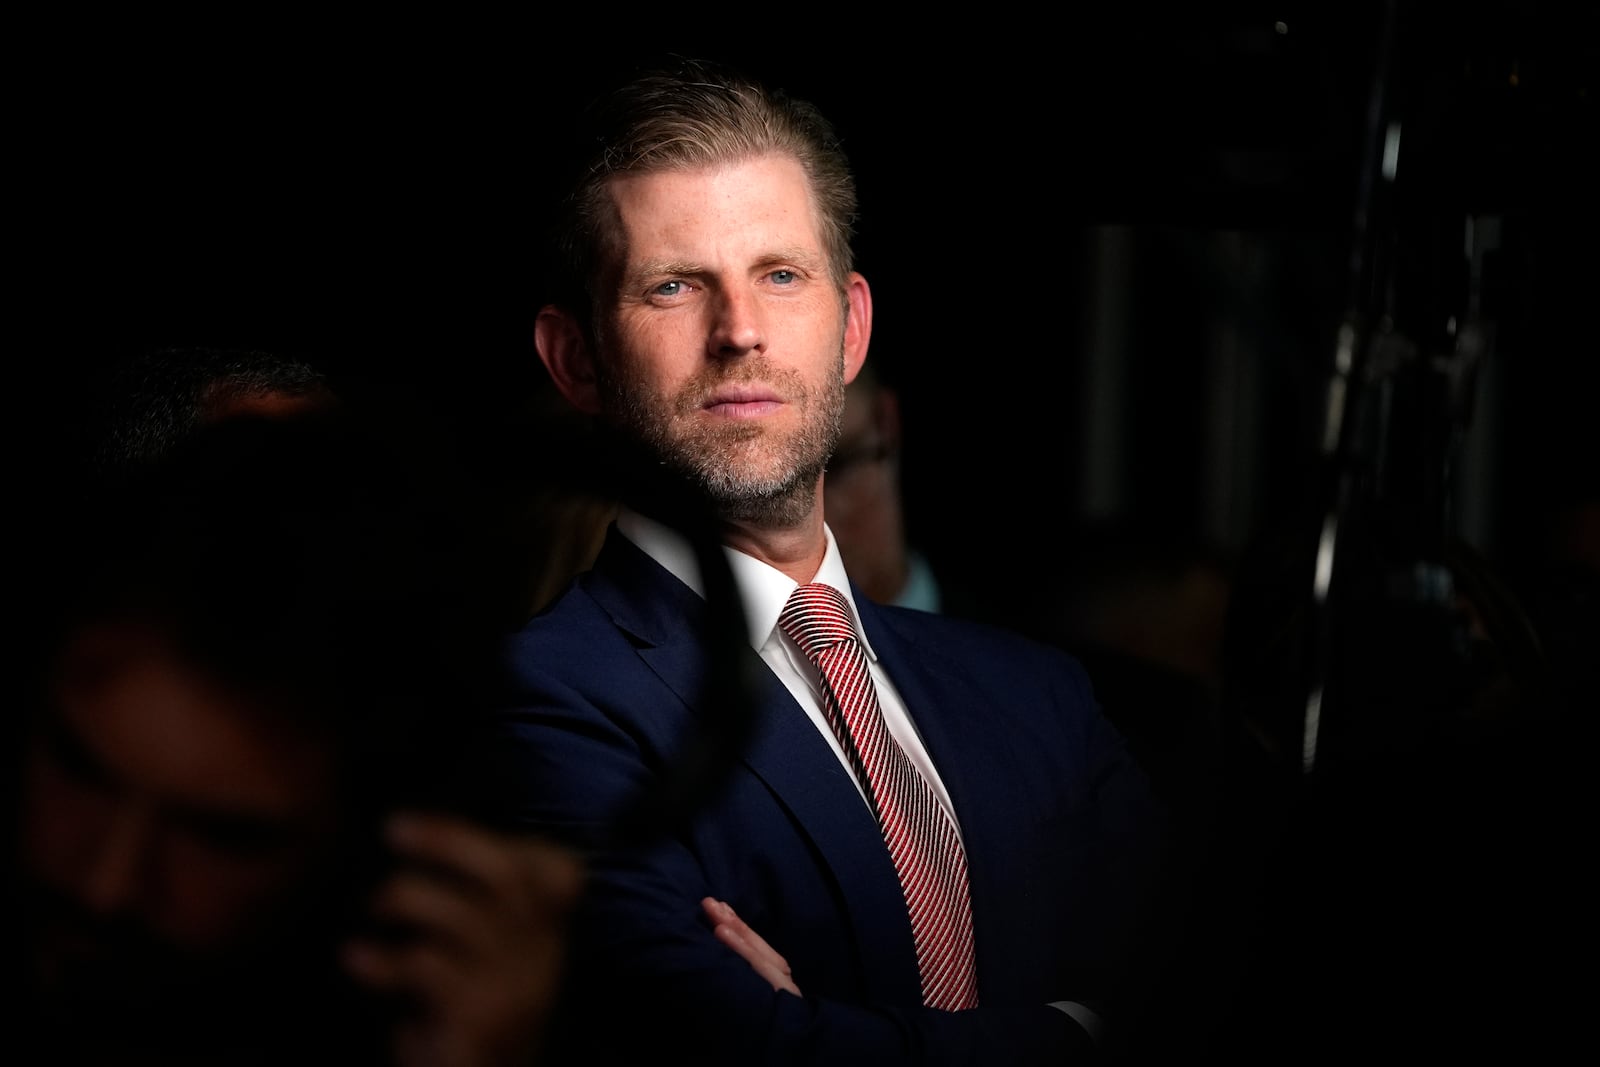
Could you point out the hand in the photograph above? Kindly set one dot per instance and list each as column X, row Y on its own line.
column 483, row 922
column 732, row 931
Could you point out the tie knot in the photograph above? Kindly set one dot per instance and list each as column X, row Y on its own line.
column 817, row 617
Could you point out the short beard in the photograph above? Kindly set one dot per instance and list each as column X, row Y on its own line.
column 725, row 466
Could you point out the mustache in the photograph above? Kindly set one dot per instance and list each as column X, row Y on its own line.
column 751, row 369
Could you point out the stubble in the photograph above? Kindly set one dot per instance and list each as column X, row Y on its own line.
column 745, row 472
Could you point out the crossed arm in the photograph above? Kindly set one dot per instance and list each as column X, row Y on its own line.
column 751, row 946
column 486, row 916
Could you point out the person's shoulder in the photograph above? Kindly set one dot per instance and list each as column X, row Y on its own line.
column 601, row 618
column 570, row 606
column 946, row 625
column 964, row 637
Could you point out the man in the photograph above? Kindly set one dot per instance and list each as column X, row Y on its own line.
column 864, row 502
column 711, row 318
column 238, row 652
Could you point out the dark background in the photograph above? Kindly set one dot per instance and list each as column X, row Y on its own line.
column 1110, row 255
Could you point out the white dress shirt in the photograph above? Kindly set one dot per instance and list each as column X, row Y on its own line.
column 763, row 592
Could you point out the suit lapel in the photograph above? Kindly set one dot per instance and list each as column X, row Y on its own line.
column 670, row 628
column 805, row 776
column 957, row 722
column 666, row 620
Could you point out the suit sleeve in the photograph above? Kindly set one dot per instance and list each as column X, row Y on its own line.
column 647, row 978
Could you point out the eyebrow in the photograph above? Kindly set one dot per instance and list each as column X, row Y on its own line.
column 663, row 267
column 799, row 256
column 69, row 748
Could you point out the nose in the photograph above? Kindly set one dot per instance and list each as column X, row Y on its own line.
column 117, row 862
column 738, row 328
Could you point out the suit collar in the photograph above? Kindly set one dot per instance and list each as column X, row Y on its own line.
column 644, row 599
column 763, row 590
column 666, row 619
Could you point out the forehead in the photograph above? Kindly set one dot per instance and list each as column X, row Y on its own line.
column 761, row 204
column 163, row 729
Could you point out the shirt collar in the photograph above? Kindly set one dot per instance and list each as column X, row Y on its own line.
column 763, row 589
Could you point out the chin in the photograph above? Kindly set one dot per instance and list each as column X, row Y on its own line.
column 766, row 505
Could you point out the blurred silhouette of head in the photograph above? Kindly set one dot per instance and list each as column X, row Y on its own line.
column 147, row 403
column 864, row 502
column 219, row 716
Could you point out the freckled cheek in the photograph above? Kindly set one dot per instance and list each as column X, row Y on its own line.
column 822, row 341
column 660, row 359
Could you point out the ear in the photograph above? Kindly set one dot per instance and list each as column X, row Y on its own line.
column 565, row 353
column 857, row 325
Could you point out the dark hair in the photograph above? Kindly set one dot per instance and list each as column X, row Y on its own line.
column 290, row 558
column 147, row 404
column 684, row 113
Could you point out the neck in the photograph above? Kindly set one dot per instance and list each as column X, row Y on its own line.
column 794, row 549
column 786, row 534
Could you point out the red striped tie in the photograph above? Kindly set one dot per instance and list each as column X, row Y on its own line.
column 922, row 841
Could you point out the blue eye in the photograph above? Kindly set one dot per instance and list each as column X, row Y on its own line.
column 783, row 277
column 671, row 288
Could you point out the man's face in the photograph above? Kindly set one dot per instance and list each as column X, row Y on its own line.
column 724, row 344
column 170, row 830
column 862, row 493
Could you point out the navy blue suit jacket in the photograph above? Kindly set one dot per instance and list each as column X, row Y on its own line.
column 608, row 687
